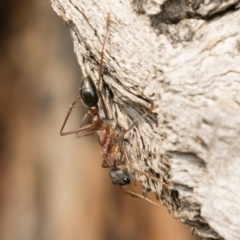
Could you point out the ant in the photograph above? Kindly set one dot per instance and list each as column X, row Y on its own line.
column 108, row 139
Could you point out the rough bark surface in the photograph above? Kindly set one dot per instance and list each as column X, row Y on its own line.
column 185, row 57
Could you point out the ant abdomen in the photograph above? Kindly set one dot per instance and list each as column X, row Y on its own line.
column 88, row 92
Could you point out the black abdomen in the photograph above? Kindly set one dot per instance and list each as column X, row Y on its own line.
column 88, row 92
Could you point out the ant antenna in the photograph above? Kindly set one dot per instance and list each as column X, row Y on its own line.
column 134, row 194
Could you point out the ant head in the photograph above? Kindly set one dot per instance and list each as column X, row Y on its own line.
column 119, row 177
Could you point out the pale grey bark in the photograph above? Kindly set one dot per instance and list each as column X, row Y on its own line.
column 185, row 57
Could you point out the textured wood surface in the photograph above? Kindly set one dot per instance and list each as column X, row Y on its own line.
column 186, row 58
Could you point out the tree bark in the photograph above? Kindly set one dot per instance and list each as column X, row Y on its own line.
column 185, row 57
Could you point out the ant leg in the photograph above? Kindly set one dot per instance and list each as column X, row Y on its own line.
column 87, row 127
column 124, row 189
column 101, row 67
column 133, row 194
column 102, row 52
column 103, row 105
column 85, row 118
column 125, row 154
column 67, row 116
column 86, row 134
column 80, row 128
column 136, row 121
column 148, row 175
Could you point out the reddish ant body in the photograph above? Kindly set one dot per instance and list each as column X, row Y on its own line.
column 107, row 138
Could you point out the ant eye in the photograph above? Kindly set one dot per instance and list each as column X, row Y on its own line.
column 126, row 180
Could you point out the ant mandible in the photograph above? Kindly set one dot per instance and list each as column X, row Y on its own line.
column 108, row 140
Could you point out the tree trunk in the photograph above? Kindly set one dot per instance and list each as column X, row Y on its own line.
column 185, row 58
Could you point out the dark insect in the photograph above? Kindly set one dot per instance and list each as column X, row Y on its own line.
column 107, row 138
